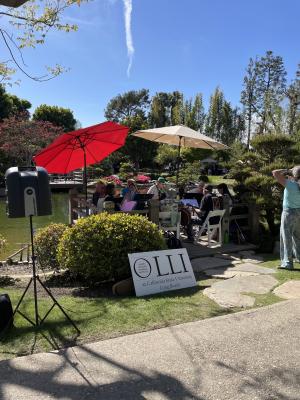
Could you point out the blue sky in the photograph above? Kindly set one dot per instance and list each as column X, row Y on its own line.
column 187, row 45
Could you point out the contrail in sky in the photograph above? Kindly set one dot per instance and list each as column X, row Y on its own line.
column 129, row 42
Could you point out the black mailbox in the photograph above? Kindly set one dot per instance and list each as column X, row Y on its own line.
column 28, row 192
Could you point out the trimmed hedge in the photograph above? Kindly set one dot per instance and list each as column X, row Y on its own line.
column 97, row 247
column 46, row 242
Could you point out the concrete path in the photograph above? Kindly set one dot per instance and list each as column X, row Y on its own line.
column 245, row 356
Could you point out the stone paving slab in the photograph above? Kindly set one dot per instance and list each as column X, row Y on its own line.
column 254, row 259
column 226, row 273
column 203, row 263
column 229, row 293
column 243, row 269
column 288, row 290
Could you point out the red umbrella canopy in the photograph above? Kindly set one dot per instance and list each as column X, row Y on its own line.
column 96, row 142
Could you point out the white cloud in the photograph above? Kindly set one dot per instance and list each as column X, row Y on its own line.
column 129, row 41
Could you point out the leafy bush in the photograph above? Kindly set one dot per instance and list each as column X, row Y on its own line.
column 204, row 178
column 97, row 246
column 126, row 169
column 46, row 242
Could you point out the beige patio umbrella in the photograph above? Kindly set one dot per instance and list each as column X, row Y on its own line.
column 181, row 136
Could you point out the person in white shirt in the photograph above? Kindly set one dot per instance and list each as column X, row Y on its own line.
column 157, row 189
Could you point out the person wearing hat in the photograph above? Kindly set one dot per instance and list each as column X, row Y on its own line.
column 290, row 217
column 130, row 191
column 158, row 189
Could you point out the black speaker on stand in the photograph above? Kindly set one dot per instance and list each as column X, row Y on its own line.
column 28, row 194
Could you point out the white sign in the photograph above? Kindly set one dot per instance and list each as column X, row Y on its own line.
column 161, row 271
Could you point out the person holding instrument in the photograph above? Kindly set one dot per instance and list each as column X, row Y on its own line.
column 290, row 217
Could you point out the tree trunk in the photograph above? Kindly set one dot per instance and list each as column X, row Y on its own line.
column 270, row 217
column 249, row 126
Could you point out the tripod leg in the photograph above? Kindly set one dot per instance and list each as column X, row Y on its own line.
column 57, row 304
column 22, row 297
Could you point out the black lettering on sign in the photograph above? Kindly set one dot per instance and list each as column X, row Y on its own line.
column 183, row 264
column 157, row 266
column 171, row 265
column 142, row 267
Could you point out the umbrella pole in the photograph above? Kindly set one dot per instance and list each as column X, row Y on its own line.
column 85, row 181
column 178, row 160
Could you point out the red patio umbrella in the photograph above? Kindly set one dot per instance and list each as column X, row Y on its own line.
column 77, row 149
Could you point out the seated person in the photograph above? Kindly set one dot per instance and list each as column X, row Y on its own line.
column 109, row 196
column 224, row 191
column 196, row 193
column 100, row 192
column 158, row 189
column 130, row 191
column 206, row 206
column 198, row 189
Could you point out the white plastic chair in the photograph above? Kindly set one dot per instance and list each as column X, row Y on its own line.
column 166, row 222
column 212, row 228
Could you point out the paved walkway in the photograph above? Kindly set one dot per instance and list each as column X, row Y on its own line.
column 240, row 277
column 245, row 356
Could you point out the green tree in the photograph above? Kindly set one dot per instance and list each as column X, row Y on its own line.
column 293, row 95
column 213, row 125
column 127, row 105
column 270, row 151
column 30, row 26
column 270, row 88
column 12, row 105
column 59, row 116
column 198, row 113
column 248, row 95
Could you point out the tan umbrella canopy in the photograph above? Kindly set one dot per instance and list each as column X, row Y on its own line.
column 181, row 136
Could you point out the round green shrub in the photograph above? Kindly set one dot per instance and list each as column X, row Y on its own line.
column 98, row 246
column 46, row 242
column 204, row 178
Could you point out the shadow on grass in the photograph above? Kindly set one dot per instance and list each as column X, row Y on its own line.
column 8, row 281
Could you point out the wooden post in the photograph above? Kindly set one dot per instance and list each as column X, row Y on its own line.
column 73, row 193
column 154, row 211
column 253, row 221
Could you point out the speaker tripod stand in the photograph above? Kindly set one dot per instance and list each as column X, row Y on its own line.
column 34, row 280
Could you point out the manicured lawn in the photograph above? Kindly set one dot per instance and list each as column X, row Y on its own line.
column 215, row 180
column 100, row 318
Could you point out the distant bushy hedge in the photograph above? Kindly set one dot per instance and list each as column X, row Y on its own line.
column 97, row 247
column 46, row 242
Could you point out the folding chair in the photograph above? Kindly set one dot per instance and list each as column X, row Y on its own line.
column 212, row 227
column 167, row 223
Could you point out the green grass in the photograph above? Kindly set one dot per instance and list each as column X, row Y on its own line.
column 107, row 317
column 102, row 318
column 215, row 180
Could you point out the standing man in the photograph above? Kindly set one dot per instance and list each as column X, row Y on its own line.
column 290, row 217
